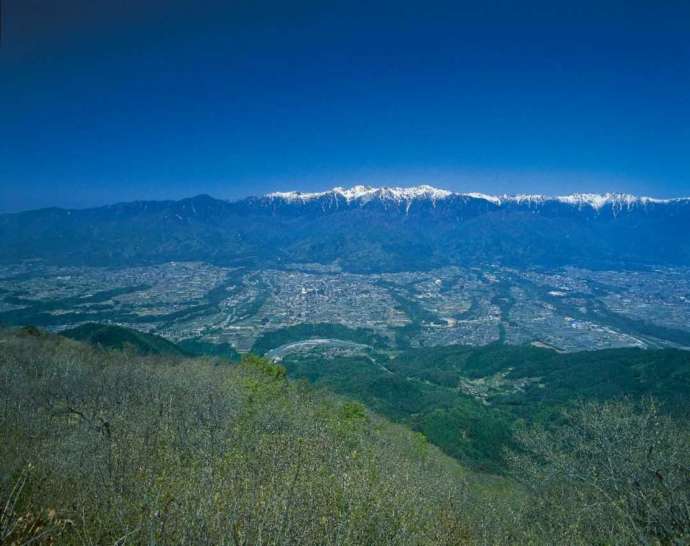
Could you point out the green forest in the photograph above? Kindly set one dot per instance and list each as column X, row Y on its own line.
column 468, row 400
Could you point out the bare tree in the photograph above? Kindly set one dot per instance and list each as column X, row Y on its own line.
column 613, row 473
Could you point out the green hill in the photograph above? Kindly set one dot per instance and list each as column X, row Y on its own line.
column 468, row 399
column 198, row 347
column 118, row 337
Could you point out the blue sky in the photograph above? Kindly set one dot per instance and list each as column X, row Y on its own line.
column 101, row 101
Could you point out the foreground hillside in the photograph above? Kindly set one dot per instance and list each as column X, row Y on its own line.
column 106, row 447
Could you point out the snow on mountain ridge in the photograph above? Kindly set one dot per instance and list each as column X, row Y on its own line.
column 364, row 194
column 617, row 200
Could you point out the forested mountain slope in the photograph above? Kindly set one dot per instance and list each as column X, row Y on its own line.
column 361, row 229
column 468, row 399
column 109, row 447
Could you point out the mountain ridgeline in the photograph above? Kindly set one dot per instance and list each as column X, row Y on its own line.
column 361, row 230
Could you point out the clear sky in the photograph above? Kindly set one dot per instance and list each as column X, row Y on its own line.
column 106, row 100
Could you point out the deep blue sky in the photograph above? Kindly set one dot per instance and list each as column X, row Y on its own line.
column 102, row 101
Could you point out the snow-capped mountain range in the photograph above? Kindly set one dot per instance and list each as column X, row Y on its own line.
column 362, row 229
column 364, row 194
column 367, row 193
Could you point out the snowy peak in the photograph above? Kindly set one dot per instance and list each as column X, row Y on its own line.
column 366, row 193
column 617, row 200
column 595, row 201
column 363, row 194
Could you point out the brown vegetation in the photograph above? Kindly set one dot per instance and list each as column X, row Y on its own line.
column 101, row 447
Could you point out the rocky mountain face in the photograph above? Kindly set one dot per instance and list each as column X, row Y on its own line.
column 362, row 229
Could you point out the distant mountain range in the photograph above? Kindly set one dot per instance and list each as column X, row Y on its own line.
column 362, row 195
column 361, row 229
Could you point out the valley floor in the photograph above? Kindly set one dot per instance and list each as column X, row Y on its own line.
column 566, row 310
